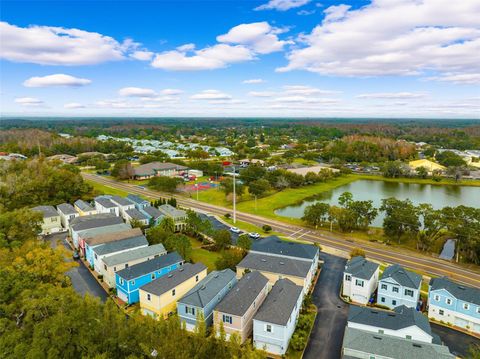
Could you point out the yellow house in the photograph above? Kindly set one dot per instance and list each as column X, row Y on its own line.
column 429, row 165
column 159, row 297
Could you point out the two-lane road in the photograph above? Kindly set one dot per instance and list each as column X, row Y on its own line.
column 411, row 259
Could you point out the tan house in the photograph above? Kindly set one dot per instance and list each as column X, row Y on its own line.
column 235, row 312
column 51, row 219
column 159, row 297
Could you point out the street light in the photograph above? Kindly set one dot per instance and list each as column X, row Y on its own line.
column 234, row 196
column 196, row 186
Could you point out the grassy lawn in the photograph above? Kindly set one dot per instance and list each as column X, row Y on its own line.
column 213, row 196
column 202, row 255
column 304, row 330
column 107, row 190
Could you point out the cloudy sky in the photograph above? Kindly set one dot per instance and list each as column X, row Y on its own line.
column 380, row 58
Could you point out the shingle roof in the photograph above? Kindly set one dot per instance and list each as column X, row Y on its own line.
column 287, row 266
column 459, row 291
column 134, row 254
column 208, row 288
column 401, row 317
column 402, row 276
column 241, row 297
column 155, row 264
column 361, row 268
column 121, row 201
column 173, row 279
column 153, row 212
column 105, row 202
column 104, row 230
column 280, row 302
column 392, row 347
column 121, row 245
column 275, row 245
column 152, row 167
column 136, row 214
column 84, row 206
column 94, row 221
column 136, row 199
column 115, row 236
column 47, row 211
column 67, row 208
column 172, row 211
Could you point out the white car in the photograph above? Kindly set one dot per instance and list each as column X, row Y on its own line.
column 234, row 230
column 254, row 235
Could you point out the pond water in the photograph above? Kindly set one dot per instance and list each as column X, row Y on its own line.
column 437, row 196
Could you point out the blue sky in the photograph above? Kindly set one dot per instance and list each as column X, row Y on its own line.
column 386, row 58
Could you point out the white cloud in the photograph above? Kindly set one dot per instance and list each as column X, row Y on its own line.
column 306, row 12
column 117, row 104
column 261, row 93
column 401, row 37
column 29, row 101
column 171, row 92
column 393, row 95
column 136, row 92
column 304, row 99
column 209, row 58
column 282, row 5
column 186, row 47
column 73, row 105
column 306, row 90
column 259, row 36
column 461, row 79
column 211, row 95
column 142, row 55
column 253, row 81
column 48, row 45
column 57, row 80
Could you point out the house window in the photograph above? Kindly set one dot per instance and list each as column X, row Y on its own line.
column 153, row 275
column 196, row 278
column 394, row 302
column 114, row 269
column 409, row 292
column 348, row 277
column 372, row 356
column 268, row 328
column 437, row 297
column 395, row 289
column 96, row 256
column 466, row 306
column 105, row 266
column 149, row 297
column 408, row 337
column 381, row 331
column 382, row 299
column 132, row 282
column 478, row 310
column 227, row 319
column 448, row 301
column 173, row 292
column 359, row 283
column 384, row 286
column 440, row 312
column 254, row 304
column 121, row 281
column 189, row 310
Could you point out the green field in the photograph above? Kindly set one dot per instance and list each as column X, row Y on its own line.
column 202, row 255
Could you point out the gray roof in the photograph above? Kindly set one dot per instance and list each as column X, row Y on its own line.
column 105, row 202
column 151, row 168
column 241, row 297
column 287, row 266
column 113, row 236
column 134, row 254
column 121, row 245
column 402, row 276
column 94, row 221
column 104, row 230
column 136, row 214
column 150, row 266
column 172, row 211
column 153, row 212
column 459, row 291
column 274, row 245
column 401, row 317
column 84, row 206
column 121, row 201
column 67, row 208
column 392, row 347
column 280, row 302
column 361, row 268
column 208, row 288
column 47, row 211
column 136, row 199
column 173, row 279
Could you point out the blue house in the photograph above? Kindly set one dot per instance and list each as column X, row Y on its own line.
column 454, row 303
column 139, row 202
column 130, row 279
column 204, row 297
column 398, row 286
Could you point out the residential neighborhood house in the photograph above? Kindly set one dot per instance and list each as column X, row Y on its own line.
column 360, row 280
column 67, row 212
column 398, row 286
column 51, row 219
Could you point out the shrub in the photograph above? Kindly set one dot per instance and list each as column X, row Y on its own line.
column 227, row 215
column 357, row 252
column 266, row 228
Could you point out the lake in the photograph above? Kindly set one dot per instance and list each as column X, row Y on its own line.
column 438, row 196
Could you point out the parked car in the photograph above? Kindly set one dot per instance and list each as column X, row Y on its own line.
column 254, row 235
column 234, row 230
column 76, row 255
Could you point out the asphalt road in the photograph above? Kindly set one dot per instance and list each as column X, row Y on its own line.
column 456, row 341
column 83, row 281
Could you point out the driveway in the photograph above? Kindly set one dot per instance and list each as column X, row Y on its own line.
column 83, row 281
column 218, row 225
column 458, row 342
column 327, row 335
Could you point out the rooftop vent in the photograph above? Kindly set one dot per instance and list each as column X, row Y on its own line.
column 375, row 337
column 180, row 270
column 170, row 275
column 215, row 276
column 203, row 287
column 264, row 260
column 282, row 263
column 417, row 345
column 461, row 287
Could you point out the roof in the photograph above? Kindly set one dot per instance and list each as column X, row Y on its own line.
column 152, row 167
column 459, row 291
column 136, row 199
column 136, row 214
column 115, row 236
column 47, row 211
column 171, row 211
column 134, row 254
column 361, row 268
column 208, row 288
column 401, row 317
column 121, row 201
column 429, row 165
column 402, row 276
column 67, row 208
column 94, row 221
column 287, row 266
column 173, row 279
column 274, row 245
column 280, row 303
column 392, row 347
column 153, row 212
column 114, row 228
column 121, row 245
column 83, row 206
column 241, row 297
column 105, row 202
column 150, row 266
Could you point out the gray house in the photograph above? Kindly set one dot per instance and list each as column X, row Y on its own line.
column 178, row 216
column 67, row 212
column 398, row 286
column 360, row 280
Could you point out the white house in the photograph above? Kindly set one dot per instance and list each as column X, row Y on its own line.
column 67, row 212
column 398, row 286
column 123, row 204
column 275, row 321
column 103, row 204
column 360, row 280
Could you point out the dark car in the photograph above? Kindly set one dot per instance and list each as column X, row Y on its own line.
column 76, row 255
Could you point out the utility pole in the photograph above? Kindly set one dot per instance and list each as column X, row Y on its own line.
column 234, row 196
column 196, row 186
column 255, row 203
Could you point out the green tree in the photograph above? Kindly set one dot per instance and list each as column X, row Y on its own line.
column 450, row 159
column 393, row 169
column 244, row 242
column 122, row 170
column 167, row 224
column 18, row 227
column 357, row 252
column 227, row 186
column 252, row 173
column 164, row 183
column 316, row 214
column 345, row 199
column 222, row 239
column 229, row 259
column 401, row 218
column 422, row 172
column 259, row 187
column 183, row 246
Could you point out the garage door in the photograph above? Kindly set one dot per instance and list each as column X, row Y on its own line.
column 122, row 296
